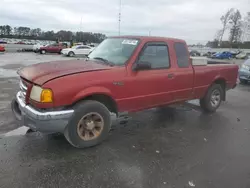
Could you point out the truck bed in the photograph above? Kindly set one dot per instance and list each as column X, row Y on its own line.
column 199, row 61
column 203, row 75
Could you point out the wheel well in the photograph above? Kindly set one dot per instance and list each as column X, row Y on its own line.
column 104, row 99
column 222, row 83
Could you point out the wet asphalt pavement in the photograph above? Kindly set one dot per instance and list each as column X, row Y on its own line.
column 162, row 147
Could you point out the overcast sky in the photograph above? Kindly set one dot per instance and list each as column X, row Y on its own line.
column 192, row 20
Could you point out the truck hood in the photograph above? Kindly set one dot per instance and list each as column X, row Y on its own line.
column 43, row 72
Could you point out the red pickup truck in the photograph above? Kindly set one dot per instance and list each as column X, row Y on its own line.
column 53, row 48
column 2, row 49
column 123, row 74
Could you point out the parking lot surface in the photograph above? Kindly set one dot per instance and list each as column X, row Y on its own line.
column 163, row 147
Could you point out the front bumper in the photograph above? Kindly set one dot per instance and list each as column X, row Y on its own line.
column 244, row 74
column 42, row 121
column 64, row 52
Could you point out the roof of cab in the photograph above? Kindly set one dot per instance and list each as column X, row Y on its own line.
column 150, row 38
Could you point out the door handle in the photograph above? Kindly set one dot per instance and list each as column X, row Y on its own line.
column 170, row 76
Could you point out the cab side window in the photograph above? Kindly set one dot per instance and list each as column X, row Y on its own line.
column 157, row 55
column 182, row 55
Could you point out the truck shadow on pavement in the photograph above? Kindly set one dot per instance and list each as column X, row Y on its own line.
column 151, row 149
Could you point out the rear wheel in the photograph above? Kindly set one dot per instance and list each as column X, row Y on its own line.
column 212, row 100
column 89, row 125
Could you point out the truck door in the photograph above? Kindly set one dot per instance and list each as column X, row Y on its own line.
column 54, row 48
column 184, row 73
column 151, row 87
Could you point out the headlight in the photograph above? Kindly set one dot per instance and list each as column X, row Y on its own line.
column 41, row 95
column 245, row 67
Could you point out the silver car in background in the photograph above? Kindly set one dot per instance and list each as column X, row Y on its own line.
column 244, row 72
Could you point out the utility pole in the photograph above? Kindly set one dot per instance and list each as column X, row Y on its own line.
column 119, row 17
column 81, row 25
column 81, row 30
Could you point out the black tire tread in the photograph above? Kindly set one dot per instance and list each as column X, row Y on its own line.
column 71, row 53
column 205, row 101
column 243, row 81
column 82, row 108
column 43, row 50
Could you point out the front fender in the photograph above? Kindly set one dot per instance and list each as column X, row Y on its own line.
column 91, row 91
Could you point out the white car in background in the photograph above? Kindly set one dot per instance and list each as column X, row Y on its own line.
column 77, row 50
column 243, row 55
column 36, row 47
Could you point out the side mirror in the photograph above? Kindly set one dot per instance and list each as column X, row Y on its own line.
column 142, row 65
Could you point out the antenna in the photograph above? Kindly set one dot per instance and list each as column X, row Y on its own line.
column 119, row 17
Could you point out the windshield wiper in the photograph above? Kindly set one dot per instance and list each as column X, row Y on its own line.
column 107, row 62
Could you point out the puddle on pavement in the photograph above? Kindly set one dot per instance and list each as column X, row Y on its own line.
column 7, row 73
column 17, row 132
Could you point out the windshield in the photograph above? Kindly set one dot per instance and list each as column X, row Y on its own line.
column 115, row 50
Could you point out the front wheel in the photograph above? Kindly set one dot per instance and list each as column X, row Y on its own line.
column 43, row 52
column 89, row 125
column 71, row 54
column 212, row 100
column 243, row 81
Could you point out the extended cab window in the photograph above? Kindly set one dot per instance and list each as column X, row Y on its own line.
column 182, row 55
column 157, row 55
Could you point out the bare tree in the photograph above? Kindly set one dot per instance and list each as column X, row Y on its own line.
column 236, row 27
column 246, row 28
column 225, row 21
column 218, row 35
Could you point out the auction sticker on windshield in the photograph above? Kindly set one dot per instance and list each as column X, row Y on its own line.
column 131, row 42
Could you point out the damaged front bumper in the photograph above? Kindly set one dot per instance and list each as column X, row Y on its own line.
column 42, row 121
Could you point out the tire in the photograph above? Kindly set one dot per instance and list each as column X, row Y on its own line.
column 206, row 102
column 71, row 54
column 43, row 51
column 243, row 81
column 88, row 109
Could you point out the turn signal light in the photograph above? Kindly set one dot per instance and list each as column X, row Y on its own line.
column 46, row 95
